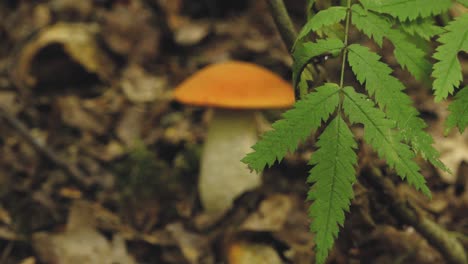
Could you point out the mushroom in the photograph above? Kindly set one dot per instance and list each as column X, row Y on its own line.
column 235, row 90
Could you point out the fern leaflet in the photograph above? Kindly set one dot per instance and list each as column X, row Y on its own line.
column 408, row 55
column 379, row 133
column 304, row 52
column 333, row 176
column 408, row 9
column 459, row 111
column 323, row 18
column 463, row 2
column 296, row 125
column 447, row 71
column 310, row 4
column 389, row 95
column 422, row 27
column 372, row 25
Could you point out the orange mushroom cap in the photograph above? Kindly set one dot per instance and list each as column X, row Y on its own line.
column 237, row 85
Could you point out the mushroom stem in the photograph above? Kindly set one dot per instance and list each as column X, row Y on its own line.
column 223, row 176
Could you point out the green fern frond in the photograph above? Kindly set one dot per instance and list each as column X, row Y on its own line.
column 332, row 31
column 422, row 27
column 374, row 26
column 459, row 111
column 408, row 9
column 447, row 71
column 323, row 18
column 333, row 176
column 463, row 2
column 304, row 52
column 296, row 125
column 389, row 95
column 379, row 133
column 408, row 55
column 310, row 4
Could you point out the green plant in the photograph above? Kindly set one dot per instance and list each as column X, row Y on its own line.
column 392, row 125
column 142, row 176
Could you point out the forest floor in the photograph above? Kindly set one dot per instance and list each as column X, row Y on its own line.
column 99, row 165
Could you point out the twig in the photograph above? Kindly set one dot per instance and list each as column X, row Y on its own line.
column 283, row 22
column 6, row 252
column 436, row 235
column 288, row 33
column 22, row 130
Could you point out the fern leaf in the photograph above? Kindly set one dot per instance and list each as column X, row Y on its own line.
column 333, row 176
column 303, row 84
column 379, row 133
column 459, row 111
column 447, row 71
column 323, row 18
column 332, row 31
column 304, row 52
column 309, row 10
column 422, row 27
column 296, row 125
column 408, row 9
column 388, row 93
column 463, row 2
column 372, row 25
column 408, row 55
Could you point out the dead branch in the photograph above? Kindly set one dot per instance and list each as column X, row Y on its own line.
column 43, row 150
column 441, row 239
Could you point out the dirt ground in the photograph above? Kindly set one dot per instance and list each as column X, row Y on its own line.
column 99, row 165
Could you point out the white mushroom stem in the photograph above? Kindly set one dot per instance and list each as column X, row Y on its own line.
column 223, row 176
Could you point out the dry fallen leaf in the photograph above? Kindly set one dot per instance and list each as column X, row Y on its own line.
column 81, row 242
column 247, row 253
column 6, row 231
column 389, row 245
column 453, row 151
column 82, row 8
column 70, row 193
column 75, row 115
column 78, row 42
column 111, row 151
column 191, row 33
column 129, row 128
column 140, row 87
column 271, row 215
column 9, row 103
column 29, row 260
column 129, row 31
column 172, row 9
column 194, row 247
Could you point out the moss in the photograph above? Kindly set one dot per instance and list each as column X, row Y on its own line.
column 141, row 175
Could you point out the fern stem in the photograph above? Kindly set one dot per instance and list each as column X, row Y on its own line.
column 283, row 22
column 343, row 63
column 345, row 50
column 288, row 33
